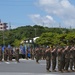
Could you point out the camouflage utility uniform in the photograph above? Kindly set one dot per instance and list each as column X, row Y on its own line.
column 17, row 54
column 48, row 59
column 1, row 54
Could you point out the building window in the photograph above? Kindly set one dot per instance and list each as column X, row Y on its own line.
column 1, row 24
column 1, row 28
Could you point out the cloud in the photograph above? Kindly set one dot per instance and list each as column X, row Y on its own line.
column 60, row 8
column 42, row 20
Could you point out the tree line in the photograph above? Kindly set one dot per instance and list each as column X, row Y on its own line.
column 47, row 36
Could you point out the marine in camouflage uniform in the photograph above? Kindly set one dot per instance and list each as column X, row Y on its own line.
column 59, row 59
column 43, row 53
column 71, row 58
column 74, row 58
column 1, row 54
column 27, row 53
column 5, row 54
column 48, row 59
column 67, row 58
column 37, row 53
column 40, row 53
column 63, row 59
column 10, row 51
column 33, row 54
column 17, row 54
column 54, row 55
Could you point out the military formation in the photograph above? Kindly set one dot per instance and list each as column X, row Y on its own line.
column 7, row 54
column 63, row 57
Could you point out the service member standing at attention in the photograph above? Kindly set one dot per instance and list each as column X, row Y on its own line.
column 1, row 54
column 17, row 54
column 71, row 59
column 60, row 59
column 48, row 59
column 74, row 58
column 37, row 55
column 63, row 59
column 33, row 54
column 5, row 54
column 10, row 50
column 54, row 56
column 43, row 53
column 67, row 58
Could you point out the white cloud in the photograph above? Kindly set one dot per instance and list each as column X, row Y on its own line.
column 42, row 20
column 61, row 8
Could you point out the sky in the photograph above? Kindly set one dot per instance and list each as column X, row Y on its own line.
column 50, row 13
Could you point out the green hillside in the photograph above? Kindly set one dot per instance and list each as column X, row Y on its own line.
column 47, row 35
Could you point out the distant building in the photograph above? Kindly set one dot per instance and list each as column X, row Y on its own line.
column 3, row 26
column 30, row 41
column 34, row 39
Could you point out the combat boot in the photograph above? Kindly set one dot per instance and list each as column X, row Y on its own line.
column 66, row 71
column 54, row 71
column 48, row 71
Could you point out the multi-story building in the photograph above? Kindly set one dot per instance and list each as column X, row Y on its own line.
column 3, row 26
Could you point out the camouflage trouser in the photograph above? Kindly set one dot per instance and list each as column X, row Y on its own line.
column 17, row 58
column 63, row 63
column 33, row 56
column 10, row 57
column 53, row 64
column 59, row 65
column 67, row 63
column 71, row 63
column 37, row 58
column 74, row 63
column 5, row 57
column 48, row 64
column 40, row 56
column 44, row 56
column 0, row 57
column 26, row 55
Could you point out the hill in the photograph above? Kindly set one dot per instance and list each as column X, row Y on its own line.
column 15, row 36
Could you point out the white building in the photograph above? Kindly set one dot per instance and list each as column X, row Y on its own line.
column 3, row 26
column 30, row 41
column 34, row 39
